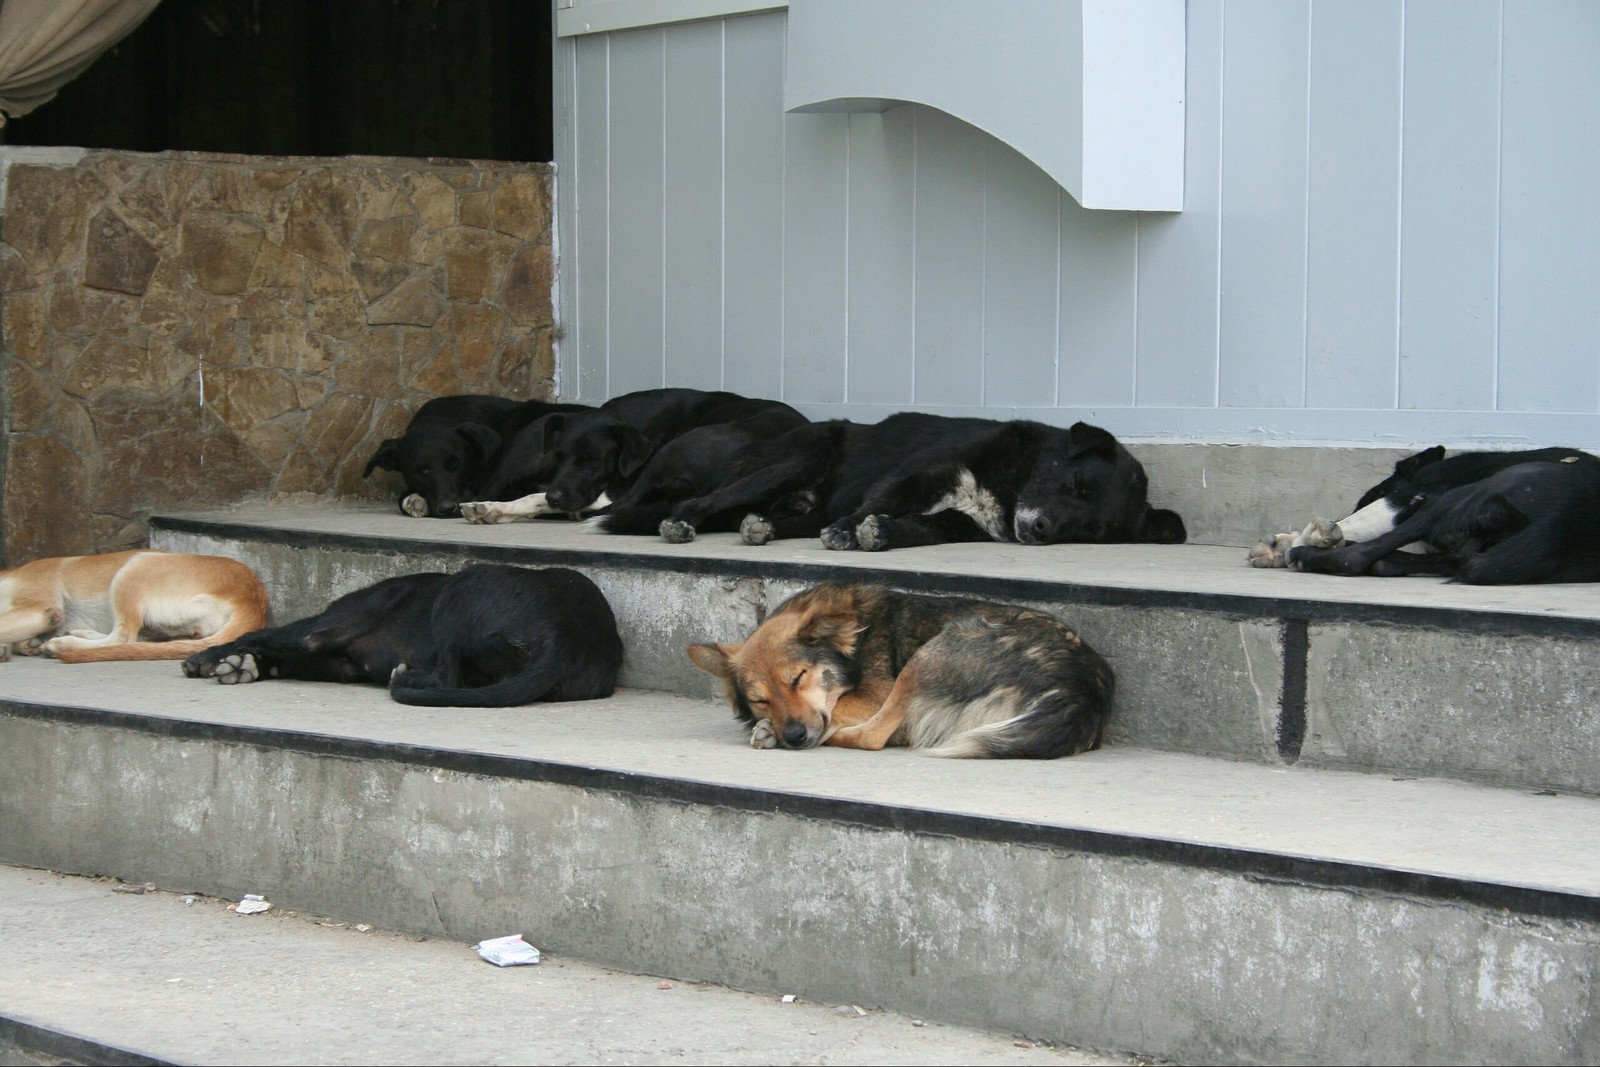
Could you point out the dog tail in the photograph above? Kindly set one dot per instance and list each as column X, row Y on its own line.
column 641, row 519
column 1062, row 721
column 248, row 615
column 545, row 679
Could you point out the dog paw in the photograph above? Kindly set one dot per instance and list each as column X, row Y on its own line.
column 676, row 531
column 484, row 513
column 1273, row 552
column 34, row 646
column 762, row 735
column 756, row 530
column 839, row 538
column 237, row 668
column 873, row 533
column 415, row 505
column 5, row 653
column 1321, row 533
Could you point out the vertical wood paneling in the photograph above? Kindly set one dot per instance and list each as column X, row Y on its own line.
column 1177, row 254
column 1020, row 281
column 881, row 275
column 816, row 206
column 950, row 267
column 1262, row 359
column 1449, row 203
column 693, row 204
column 1099, row 307
column 586, row 247
column 753, row 226
column 1353, row 205
column 637, row 340
column 1550, row 217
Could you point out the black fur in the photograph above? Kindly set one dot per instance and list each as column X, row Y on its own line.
column 890, row 485
column 490, row 636
column 452, row 445
column 1486, row 518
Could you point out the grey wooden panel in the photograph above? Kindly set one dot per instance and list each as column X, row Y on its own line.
column 1353, row 205
column 1549, row 224
column 635, row 259
column 1262, row 359
column 586, row 247
column 949, row 260
column 1450, row 195
column 1099, row 313
column 753, row 205
column 1020, row 211
column 565, row 86
column 1177, row 295
column 882, row 236
column 816, row 165
column 693, row 204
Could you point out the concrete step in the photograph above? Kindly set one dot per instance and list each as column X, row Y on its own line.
column 1178, row 906
column 94, row 975
column 1411, row 676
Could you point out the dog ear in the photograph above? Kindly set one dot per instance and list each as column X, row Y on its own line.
column 635, row 450
column 387, row 456
column 550, row 428
column 1084, row 440
column 1412, row 464
column 1163, row 527
column 713, row 659
column 481, row 437
column 837, row 628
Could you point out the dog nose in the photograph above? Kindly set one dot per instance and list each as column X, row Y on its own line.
column 1040, row 528
column 794, row 734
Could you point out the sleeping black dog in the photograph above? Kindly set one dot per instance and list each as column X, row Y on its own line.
column 489, row 636
column 1486, row 518
column 452, row 445
column 918, row 479
column 642, row 450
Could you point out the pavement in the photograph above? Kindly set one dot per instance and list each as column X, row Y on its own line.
column 183, row 979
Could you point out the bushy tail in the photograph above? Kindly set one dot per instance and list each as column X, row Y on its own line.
column 1044, row 733
column 642, row 519
column 247, row 617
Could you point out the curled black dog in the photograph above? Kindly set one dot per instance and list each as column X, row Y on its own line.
column 919, row 479
column 489, row 636
column 1486, row 518
column 451, row 446
column 646, row 449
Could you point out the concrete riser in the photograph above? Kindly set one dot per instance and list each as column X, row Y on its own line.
column 1188, row 960
column 1510, row 709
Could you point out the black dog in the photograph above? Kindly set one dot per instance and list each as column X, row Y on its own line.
column 1487, row 518
column 490, row 636
column 451, row 446
column 917, row 479
column 589, row 459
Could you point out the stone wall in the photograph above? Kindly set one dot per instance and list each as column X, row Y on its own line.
column 184, row 330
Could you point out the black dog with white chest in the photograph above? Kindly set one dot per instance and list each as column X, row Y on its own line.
column 489, row 636
column 1485, row 518
column 920, row 479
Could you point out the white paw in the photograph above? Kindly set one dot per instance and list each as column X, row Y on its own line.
column 484, row 513
column 676, row 531
column 873, row 533
column 755, row 530
column 839, row 539
column 237, row 668
column 1271, row 553
column 33, row 646
column 762, row 735
column 1321, row 533
column 415, row 505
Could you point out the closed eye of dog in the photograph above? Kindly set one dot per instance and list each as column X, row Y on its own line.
column 794, row 683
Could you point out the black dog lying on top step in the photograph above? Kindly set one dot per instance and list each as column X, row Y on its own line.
column 489, row 636
column 1485, row 518
column 679, row 461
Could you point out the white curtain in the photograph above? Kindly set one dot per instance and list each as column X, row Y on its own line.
column 46, row 43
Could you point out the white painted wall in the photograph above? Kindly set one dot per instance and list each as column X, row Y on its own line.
column 1390, row 235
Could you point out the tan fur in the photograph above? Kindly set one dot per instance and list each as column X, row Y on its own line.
column 83, row 609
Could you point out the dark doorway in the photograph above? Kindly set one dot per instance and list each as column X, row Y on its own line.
column 453, row 78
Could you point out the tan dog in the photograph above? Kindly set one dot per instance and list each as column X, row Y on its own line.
column 81, row 609
column 859, row 666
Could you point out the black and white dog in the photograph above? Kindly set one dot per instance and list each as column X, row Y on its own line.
column 451, row 446
column 1486, row 518
column 919, row 479
column 489, row 636
column 647, row 447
